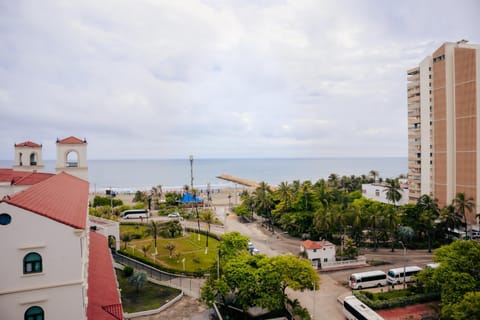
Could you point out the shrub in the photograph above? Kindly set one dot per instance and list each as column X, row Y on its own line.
column 127, row 271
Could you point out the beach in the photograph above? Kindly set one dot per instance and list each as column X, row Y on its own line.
column 220, row 197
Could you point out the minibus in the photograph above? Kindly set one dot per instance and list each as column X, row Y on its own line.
column 396, row 275
column 368, row 279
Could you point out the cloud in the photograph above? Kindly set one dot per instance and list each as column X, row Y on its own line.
column 165, row 79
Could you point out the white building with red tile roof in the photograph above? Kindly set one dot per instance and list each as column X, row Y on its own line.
column 53, row 266
column 318, row 252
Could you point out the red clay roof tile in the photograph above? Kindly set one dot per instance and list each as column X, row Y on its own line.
column 71, row 140
column 103, row 297
column 62, row 197
column 28, row 144
column 309, row 244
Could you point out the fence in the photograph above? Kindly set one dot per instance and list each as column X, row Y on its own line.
column 345, row 263
column 190, row 286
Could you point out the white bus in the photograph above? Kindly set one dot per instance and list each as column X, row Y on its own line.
column 396, row 275
column 368, row 279
column 135, row 214
column 354, row 309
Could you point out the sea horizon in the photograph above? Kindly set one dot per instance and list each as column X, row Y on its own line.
column 129, row 175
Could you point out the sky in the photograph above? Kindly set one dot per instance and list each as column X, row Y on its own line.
column 152, row 79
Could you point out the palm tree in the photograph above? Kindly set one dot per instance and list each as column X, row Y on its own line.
column 333, row 180
column 462, row 204
column 284, row 195
column 263, row 201
column 208, row 217
column 126, row 238
column 145, row 249
column 393, row 191
column 429, row 213
column 374, row 174
column 450, row 217
column 154, row 231
column 391, row 220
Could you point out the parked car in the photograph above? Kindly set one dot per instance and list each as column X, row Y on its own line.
column 174, row 215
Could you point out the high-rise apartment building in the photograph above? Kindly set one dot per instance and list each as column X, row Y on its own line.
column 444, row 125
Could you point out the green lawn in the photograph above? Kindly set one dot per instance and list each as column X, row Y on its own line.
column 150, row 296
column 187, row 247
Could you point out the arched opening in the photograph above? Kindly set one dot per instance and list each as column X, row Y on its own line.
column 33, row 159
column 112, row 243
column 34, row 313
column 72, row 159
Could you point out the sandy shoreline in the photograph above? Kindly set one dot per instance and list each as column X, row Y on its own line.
column 220, row 197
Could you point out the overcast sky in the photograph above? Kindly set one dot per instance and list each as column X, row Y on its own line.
column 218, row 79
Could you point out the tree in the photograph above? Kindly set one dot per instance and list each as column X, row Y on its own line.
column 429, row 213
column 392, row 191
column 154, row 232
column 468, row 308
column 208, row 217
column 126, row 238
column 170, row 247
column 374, row 174
column 138, row 279
column 450, row 218
column 263, row 201
column 457, row 275
column 145, row 249
column 463, row 204
column 259, row 280
column 232, row 244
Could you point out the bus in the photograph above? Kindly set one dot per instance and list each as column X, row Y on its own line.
column 135, row 214
column 396, row 275
column 368, row 279
column 354, row 309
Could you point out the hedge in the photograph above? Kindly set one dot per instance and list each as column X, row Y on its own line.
column 397, row 302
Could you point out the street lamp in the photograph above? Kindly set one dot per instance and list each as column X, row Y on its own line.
column 313, row 315
column 404, row 262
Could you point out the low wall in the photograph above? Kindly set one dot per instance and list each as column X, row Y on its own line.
column 345, row 263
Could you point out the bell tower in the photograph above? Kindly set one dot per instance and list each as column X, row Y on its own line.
column 72, row 157
column 28, row 157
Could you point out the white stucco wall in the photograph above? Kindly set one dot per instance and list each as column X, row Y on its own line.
column 378, row 192
column 327, row 252
column 59, row 288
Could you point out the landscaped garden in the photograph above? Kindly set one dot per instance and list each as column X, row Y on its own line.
column 173, row 248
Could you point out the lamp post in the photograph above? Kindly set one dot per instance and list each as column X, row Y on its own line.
column 313, row 315
column 191, row 172
column 404, row 262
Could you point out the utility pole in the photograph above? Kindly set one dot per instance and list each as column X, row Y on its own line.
column 404, row 262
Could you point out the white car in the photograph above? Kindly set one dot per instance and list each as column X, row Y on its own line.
column 174, row 215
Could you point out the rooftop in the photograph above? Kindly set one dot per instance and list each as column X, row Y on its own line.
column 62, row 197
column 103, row 296
column 28, row 144
column 309, row 244
column 71, row 140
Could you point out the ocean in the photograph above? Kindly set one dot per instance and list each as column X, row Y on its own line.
column 132, row 175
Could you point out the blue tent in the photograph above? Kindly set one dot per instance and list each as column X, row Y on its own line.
column 188, row 198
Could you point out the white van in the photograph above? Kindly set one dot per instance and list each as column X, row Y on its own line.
column 368, row 279
column 396, row 275
column 135, row 214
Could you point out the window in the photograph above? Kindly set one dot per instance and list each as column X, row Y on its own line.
column 32, row 263
column 34, row 313
column 5, row 219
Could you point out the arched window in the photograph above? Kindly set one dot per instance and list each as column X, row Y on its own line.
column 32, row 263
column 72, row 159
column 33, row 159
column 34, row 313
